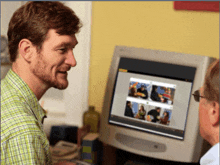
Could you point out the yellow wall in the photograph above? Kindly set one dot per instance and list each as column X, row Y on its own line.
column 147, row 24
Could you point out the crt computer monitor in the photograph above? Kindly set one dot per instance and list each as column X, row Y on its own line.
column 169, row 127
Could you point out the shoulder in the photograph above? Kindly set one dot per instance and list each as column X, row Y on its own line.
column 19, row 125
column 13, row 105
column 12, row 102
column 16, row 117
column 9, row 94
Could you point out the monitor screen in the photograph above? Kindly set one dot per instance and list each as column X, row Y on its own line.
column 152, row 97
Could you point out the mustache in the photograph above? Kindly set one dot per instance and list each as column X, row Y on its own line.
column 64, row 69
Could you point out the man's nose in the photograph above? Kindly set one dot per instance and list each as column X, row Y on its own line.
column 70, row 60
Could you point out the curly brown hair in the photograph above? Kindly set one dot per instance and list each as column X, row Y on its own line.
column 33, row 21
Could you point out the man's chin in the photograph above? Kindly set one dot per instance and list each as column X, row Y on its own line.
column 61, row 86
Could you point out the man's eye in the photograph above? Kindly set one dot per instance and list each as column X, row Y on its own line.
column 63, row 50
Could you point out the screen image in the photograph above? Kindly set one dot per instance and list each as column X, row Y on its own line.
column 151, row 114
column 152, row 91
column 151, row 100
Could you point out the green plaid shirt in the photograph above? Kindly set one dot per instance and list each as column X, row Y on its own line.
column 23, row 140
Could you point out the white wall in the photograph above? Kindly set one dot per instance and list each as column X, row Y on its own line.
column 7, row 9
column 64, row 106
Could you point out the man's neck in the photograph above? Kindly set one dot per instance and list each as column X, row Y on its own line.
column 216, row 140
column 214, row 137
column 35, row 84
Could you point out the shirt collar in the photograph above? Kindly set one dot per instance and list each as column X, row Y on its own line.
column 27, row 94
column 211, row 157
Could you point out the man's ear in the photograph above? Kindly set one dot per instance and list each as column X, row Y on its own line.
column 26, row 50
column 214, row 113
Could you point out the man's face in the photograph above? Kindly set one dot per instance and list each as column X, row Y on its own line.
column 55, row 59
column 204, row 121
column 142, row 88
column 158, row 110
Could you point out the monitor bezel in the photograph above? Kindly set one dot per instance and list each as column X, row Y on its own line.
column 176, row 76
column 191, row 145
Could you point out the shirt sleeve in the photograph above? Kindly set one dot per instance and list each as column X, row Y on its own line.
column 25, row 150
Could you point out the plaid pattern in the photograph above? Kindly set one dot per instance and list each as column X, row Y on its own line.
column 23, row 140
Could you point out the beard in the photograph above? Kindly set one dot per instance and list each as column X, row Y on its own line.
column 47, row 77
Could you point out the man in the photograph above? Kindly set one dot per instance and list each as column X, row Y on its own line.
column 208, row 98
column 154, row 94
column 41, row 37
column 155, row 113
column 143, row 91
column 128, row 110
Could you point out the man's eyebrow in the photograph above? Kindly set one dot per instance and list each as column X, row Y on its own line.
column 66, row 44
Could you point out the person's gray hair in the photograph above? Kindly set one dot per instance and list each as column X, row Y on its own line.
column 211, row 85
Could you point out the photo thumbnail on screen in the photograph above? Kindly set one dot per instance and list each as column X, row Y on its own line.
column 165, row 119
column 138, row 90
column 135, row 110
column 141, row 112
column 162, row 94
column 159, row 115
column 129, row 109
